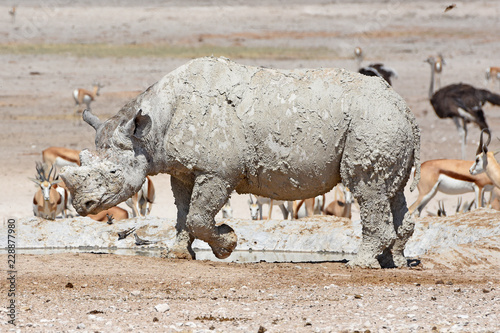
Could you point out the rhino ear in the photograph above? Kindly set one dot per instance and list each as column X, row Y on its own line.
column 142, row 125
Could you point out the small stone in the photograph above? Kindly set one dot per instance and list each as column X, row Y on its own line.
column 80, row 326
column 69, row 285
column 439, row 282
column 155, row 320
column 162, row 308
column 135, row 293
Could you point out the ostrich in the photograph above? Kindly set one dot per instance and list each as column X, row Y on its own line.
column 377, row 69
column 358, row 54
column 460, row 102
column 438, row 68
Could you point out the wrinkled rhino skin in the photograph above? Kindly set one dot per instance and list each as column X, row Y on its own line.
column 216, row 126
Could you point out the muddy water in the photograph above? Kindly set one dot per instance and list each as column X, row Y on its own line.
column 236, row 256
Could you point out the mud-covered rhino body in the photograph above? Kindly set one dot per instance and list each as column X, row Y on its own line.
column 216, row 126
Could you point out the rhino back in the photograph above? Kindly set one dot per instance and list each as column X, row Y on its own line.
column 267, row 126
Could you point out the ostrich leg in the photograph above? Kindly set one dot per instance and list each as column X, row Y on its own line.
column 462, row 133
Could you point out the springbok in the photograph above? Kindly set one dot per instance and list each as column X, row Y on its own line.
column 50, row 200
column 83, row 96
column 309, row 207
column 342, row 202
column 449, row 177
column 113, row 213
column 60, row 157
column 12, row 13
column 485, row 163
column 256, row 202
column 492, row 74
column 142, row 202
column 227, row 210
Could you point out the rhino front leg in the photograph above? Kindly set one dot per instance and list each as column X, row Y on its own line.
column 182, row 245
column 209, row 195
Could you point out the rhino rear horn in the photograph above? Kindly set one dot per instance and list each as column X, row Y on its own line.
column 91, row 119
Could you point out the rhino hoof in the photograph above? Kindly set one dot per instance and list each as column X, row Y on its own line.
column 363, row 263
column 392, row 260
column 176, row 253
column 226, row 242
column 400, row 261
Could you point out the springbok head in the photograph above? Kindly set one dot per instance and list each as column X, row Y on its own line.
column 110, row 218
column 44, row 181
column 97, row 86
column 227, row 211
column 254, row 208
column 349, row 198
column 481, row 161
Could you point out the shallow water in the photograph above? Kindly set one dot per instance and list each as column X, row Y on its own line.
column 236, row 256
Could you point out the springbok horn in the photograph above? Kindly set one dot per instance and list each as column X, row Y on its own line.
column 50, row 171
column 40, row 171
column 483, row 148
column 37, row 181
column 91, row 119
column 489, row 138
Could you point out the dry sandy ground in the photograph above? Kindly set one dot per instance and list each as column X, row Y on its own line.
column 106, row 293
column 112, row 293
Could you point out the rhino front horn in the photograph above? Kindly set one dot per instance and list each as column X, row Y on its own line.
column 91, row 119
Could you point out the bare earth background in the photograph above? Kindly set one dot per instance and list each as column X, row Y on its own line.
column 51, row 48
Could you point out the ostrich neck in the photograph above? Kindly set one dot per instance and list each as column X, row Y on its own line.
column 431, row 88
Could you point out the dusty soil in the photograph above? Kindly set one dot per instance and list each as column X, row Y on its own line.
column 106, row 293
column 119, row 293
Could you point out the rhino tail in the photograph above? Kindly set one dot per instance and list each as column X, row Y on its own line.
column 416, row 150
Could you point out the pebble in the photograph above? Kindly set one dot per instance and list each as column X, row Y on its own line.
column 135, row 293
column 162, row 308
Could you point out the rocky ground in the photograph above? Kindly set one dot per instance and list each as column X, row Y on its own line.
column 50, row 48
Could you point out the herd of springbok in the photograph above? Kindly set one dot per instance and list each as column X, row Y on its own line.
column 456, row 177
column 53, row 199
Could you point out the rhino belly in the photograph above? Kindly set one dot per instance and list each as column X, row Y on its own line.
column 284, row 179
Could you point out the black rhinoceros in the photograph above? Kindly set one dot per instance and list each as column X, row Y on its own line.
column 216, row 126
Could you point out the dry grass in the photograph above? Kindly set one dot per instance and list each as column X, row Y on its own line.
column 167, row 51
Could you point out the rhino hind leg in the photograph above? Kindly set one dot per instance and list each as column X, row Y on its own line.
column 378, row 232
column 404, row 226
column 182, row 245
column 210, row 193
